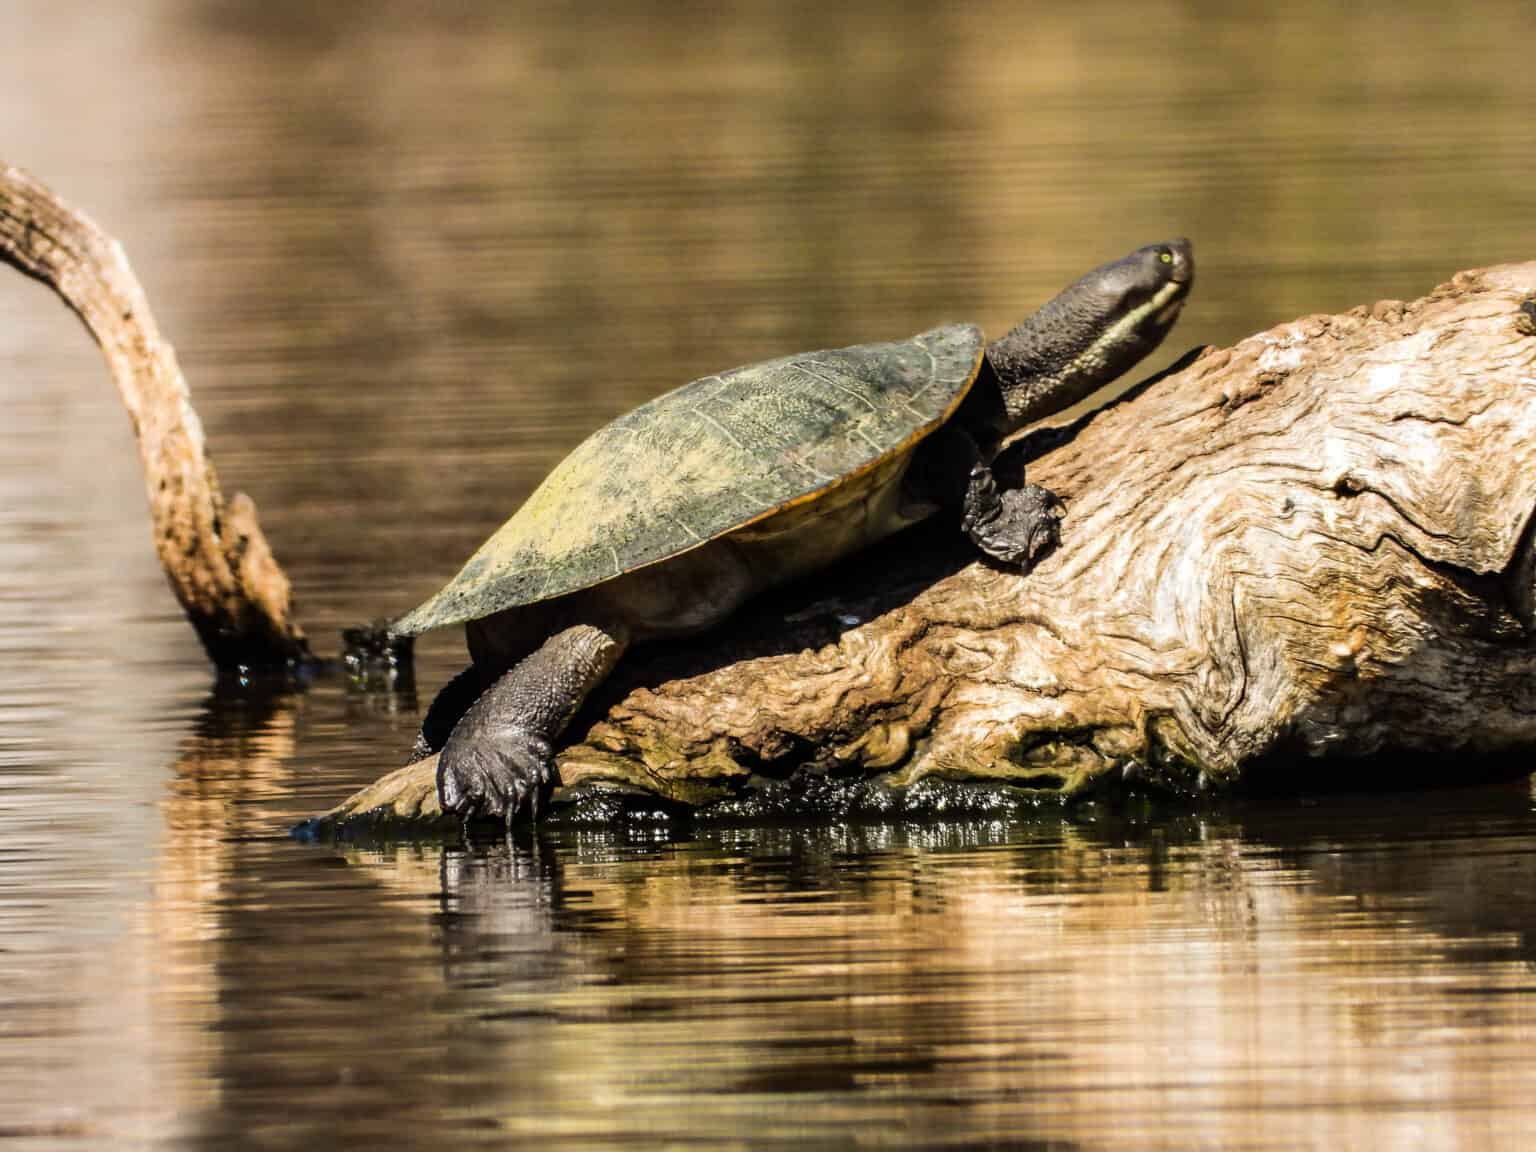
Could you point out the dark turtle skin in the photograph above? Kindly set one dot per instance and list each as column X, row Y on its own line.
column 669, row 518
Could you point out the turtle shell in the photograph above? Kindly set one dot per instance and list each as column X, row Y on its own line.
column 708, row 458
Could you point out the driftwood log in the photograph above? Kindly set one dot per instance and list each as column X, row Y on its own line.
column 1310, row 551
column 213, row 551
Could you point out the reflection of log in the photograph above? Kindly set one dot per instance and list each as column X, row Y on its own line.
column 972, row 977
column 1313, row 546
column 213, row 551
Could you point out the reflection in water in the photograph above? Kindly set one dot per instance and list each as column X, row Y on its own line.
column 410, row 255
column 1290, row 978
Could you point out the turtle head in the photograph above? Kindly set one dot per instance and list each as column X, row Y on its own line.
column 1093, row 331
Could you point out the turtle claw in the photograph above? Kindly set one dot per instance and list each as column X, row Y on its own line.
column 1017, row 526
column 504, row 774
column 1030, row 524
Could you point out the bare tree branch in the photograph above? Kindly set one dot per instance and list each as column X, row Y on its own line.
column 213, row 551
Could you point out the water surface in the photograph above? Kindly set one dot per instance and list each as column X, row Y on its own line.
column 409, row 257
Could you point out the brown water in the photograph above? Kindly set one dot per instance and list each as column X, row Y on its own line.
column 409, row 259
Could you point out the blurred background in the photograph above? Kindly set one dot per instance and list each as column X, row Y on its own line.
column 410, row 255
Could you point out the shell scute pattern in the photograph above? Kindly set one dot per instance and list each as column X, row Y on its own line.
column 706, row 458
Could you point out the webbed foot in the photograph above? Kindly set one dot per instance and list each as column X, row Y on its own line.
column 499, row 760
column 503, row 773
column 1018, row 526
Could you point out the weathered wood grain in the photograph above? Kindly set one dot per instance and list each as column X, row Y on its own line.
column 1307, row 550
column 213, row 551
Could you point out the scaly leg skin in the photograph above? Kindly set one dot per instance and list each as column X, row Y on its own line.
column 448, row 707
column 1017, row 526
column 499, row 760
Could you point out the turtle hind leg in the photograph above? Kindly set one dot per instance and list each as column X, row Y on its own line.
column 447, row 708
column 1017, row 526
column 499, row 759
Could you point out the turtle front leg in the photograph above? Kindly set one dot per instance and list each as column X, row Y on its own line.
column 499, row 759
column 1016, row 526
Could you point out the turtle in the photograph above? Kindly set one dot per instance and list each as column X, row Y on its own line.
column 668, row 519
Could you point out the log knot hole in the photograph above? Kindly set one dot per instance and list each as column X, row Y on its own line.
column 1348, row 484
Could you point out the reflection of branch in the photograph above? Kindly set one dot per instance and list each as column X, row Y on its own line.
column 213, row 552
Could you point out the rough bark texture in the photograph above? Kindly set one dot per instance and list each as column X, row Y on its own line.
column 213, row 550
column 1297, row 553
